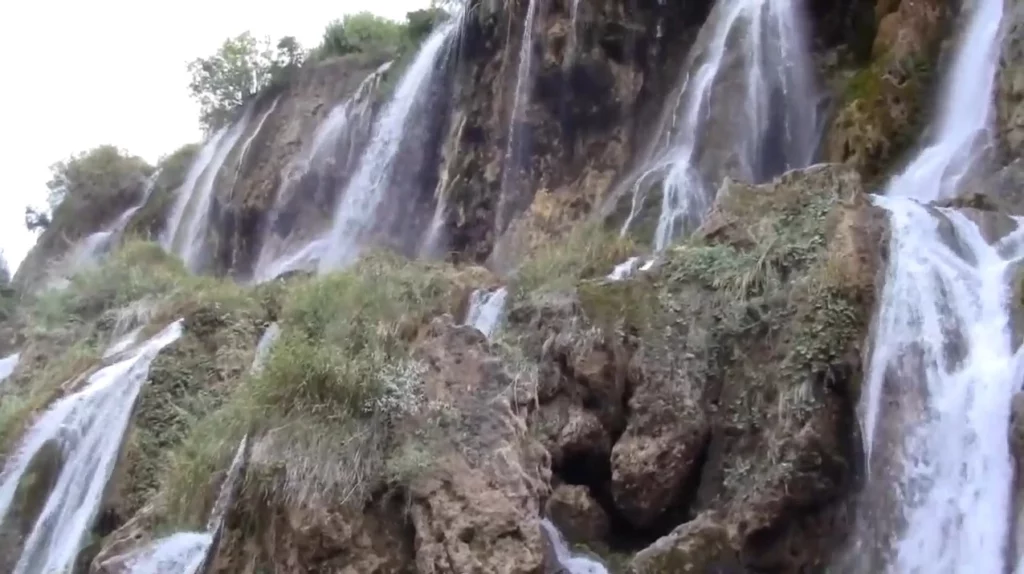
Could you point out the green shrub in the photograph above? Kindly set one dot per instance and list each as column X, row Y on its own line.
column 323, row 405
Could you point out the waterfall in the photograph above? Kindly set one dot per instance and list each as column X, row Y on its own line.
column 746, row 109
column 935, row 408
column 185, row 235
column 86, row 430
column 7, row 365
column 486, row 309
column 574, row 34
column 572, row 564
column 356, row 211
column 332, row 152
column 520, row 100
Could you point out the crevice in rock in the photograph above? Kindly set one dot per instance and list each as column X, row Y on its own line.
column 595, row 473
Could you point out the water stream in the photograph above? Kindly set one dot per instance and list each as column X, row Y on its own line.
column 356, row 211
column 746, row 109
column 81, row 434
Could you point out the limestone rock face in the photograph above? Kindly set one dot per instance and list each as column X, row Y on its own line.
column 481, row 511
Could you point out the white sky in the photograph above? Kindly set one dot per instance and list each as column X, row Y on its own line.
column 81, row 73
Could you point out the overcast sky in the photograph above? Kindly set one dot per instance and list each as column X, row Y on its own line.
column 81, row 73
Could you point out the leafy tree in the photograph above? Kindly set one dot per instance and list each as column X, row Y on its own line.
column 240, row 69
column 102, row 178
column 364, row 32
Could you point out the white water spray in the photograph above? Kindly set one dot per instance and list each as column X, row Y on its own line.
column 356, row 210
column 762, row 125
column 87, row 427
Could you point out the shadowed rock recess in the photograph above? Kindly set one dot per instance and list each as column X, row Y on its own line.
column 698, row 413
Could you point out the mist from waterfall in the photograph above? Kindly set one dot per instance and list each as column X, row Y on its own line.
column 81, row 434
column 942, row 370
column 746, row 109
column 357, row 209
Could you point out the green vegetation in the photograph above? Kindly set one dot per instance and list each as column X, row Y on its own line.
column 367, row 33
column 337, row 380
column 148, row 222
column 239, row 70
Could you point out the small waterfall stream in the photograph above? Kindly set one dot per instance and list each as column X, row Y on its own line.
column 185, row 235
column 81, row 434
column 746, row 109
column 520, row 101
column 935, row 409
column 357, row 208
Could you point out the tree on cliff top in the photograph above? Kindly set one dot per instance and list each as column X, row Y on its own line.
column 240, row 69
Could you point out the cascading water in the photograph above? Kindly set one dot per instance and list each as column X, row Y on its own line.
column 935, row 409
column 746, row 109
column 333, row 151
column 486, row 309
column 520, row 101
column 185, row 235
column 572, row 564
column 85, row 430
column 357, row 208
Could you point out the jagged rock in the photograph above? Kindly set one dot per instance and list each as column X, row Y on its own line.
column 702, row 545
column 664, row 439
column 577, row 515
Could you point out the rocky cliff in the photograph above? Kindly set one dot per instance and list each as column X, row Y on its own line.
column 695, row 415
